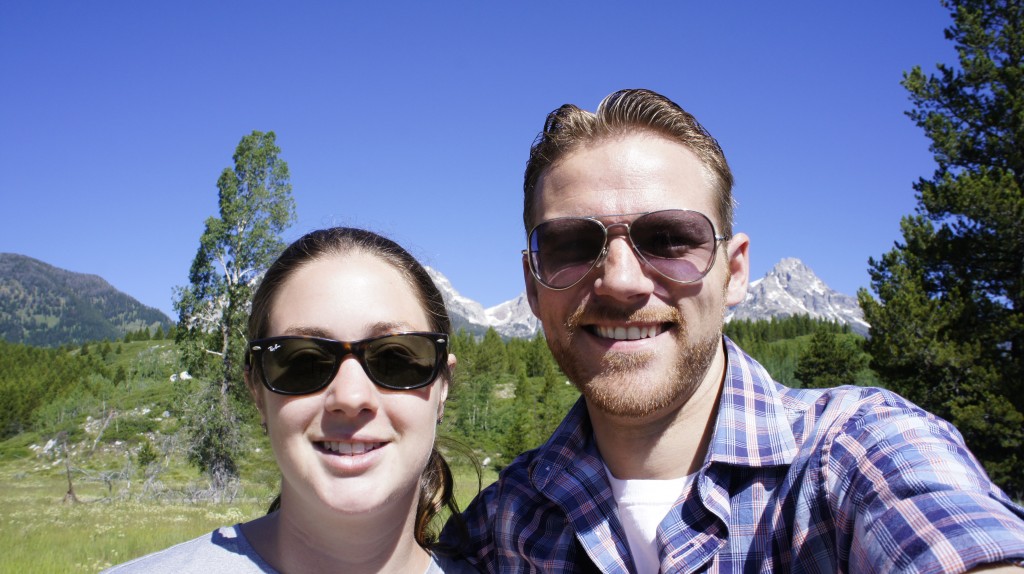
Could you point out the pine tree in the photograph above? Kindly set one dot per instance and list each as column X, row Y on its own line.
column 828, row 361
column 523, row 433
column 948, row 324
column 492, row 357
column 256, row 206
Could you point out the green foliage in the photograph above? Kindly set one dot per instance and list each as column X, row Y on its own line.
column 147, row 455
column 32, row 378
column 256, row 206
column 777, row 344
column 524, row 431
column 508, row 396
column 42, row 305
column 131, row 429
column 213, row 436
column 948, row 322
column 829, row 360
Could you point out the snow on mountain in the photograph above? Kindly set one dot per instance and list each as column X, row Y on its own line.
column 791, row 288
column 512, row 319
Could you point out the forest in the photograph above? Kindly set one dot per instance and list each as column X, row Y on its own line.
column 507, row 396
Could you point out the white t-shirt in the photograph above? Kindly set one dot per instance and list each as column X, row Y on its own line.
column 643, row 504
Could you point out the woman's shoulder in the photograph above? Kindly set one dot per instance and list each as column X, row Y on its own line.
column 223, row 550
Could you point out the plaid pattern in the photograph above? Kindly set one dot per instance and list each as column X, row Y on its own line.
column 796, row 480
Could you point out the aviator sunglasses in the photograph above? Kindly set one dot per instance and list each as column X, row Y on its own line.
column 679, row 244
column 298, row 365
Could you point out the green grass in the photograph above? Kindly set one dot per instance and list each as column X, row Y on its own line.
column 118, row 519
column 44, row 534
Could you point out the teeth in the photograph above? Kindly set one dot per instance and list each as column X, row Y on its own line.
column 348, row 448
column 631, row 333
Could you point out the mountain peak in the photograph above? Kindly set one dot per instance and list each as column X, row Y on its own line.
column 791, row 288
column 512, row 319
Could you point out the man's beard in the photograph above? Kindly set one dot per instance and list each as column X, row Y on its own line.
column 627, row 384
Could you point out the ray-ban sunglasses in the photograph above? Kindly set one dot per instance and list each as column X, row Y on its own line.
column 299, row 365
column 679, row 244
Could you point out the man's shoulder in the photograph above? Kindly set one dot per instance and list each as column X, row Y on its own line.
column 750, row 378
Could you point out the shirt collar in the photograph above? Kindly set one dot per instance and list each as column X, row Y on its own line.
column 751, row 427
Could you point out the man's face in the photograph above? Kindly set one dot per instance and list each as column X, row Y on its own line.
column 634, row 342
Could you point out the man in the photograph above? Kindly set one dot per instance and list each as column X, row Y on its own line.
column 683, row 455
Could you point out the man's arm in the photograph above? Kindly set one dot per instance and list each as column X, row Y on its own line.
column 909, row 492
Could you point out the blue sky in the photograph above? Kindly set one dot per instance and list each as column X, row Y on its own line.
column 415, row 118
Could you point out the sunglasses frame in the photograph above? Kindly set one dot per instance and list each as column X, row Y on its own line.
column 603, row 254
column 342, row 349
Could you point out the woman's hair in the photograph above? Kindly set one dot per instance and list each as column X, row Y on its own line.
column 436, row 484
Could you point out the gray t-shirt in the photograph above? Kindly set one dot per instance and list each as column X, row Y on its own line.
column 225, row 550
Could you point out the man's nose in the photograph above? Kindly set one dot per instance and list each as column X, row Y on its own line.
column 622, row 274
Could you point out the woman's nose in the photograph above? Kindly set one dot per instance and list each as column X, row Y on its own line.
column 351, row 391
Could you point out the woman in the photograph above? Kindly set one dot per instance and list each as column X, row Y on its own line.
column 348, row 366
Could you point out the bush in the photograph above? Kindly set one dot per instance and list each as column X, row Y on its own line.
column 130, row 429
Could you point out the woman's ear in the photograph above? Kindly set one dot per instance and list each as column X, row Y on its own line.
column 445, row 383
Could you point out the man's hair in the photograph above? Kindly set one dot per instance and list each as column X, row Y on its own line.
column 626, row 112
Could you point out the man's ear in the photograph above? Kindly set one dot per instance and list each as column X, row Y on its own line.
column 738, row 251
column 531, row 286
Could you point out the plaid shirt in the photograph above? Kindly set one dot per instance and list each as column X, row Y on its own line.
column 847, row 479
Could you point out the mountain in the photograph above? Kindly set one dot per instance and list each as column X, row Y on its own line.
column 511, row 319
column 42, row 305
column 791, row 288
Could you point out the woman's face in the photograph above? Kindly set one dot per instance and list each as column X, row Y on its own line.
column 352, row 447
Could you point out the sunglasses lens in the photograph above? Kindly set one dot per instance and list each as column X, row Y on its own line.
column 679, row 244
column 562, row 251
column 297, row 366
column 402, row 361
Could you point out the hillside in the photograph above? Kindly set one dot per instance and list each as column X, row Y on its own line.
column 42, row 305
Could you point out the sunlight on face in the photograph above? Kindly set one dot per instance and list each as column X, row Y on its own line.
column 588, row 326
column 352, row 447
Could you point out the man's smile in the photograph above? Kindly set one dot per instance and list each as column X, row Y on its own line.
column 628, row 332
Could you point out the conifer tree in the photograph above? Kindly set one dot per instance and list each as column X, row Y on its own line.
column 828, row 361
column 492, row 357
column 256, row 206
column 524, row 431
column 948, row 322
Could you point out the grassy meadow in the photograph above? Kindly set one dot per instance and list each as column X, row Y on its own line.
column 125, row 450
column 43, row 533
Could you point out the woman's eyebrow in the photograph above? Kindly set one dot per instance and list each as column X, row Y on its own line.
column 307, row 331
column 371, row 330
